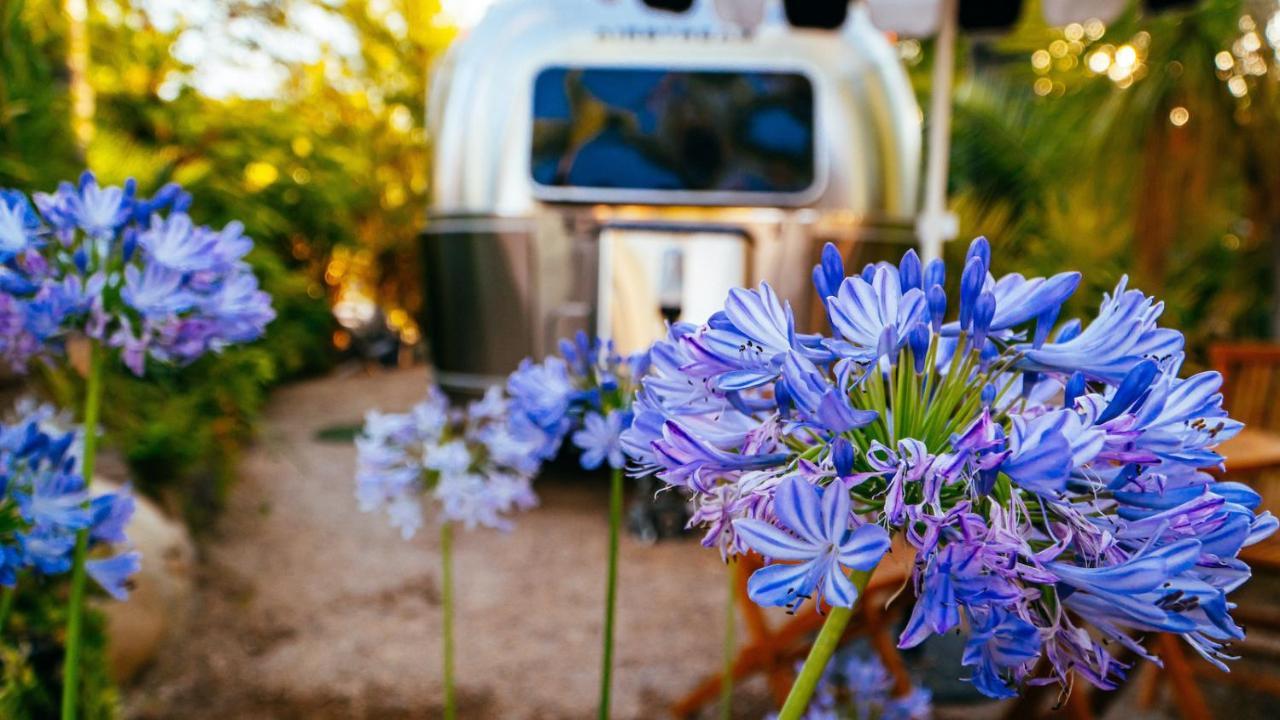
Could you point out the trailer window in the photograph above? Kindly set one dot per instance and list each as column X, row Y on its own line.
column 643, row 130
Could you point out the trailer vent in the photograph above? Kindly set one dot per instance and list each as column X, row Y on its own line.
column 675, row 6
column 820, row 14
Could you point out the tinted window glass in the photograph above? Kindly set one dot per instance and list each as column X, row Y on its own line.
column 659, row 129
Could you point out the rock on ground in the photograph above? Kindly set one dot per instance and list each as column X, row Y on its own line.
column 160, row 593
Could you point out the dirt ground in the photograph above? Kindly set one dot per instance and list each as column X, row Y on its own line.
column 308, row 608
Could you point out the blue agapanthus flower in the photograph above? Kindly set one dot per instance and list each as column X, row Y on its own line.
column 475, row 462
column 44, row 503
column 999, row 640
column 584, row 392
column 873, row 318
column 813, row 538
column 600, row 438
column 19, row 224
column 1052, row 477
column 113, row 573
column 136, row 274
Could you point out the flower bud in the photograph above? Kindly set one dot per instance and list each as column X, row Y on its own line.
column 937, row 300
column 983, row 312
column 842, row 455
column 971, row 282
column 980, row 249
column 909, row 271
column 918, row 338
column 1075, row 388
column 935, row 273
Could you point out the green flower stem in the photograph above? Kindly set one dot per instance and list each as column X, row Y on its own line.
column 75, row 608
column 820, row 654
column 611, row 590
column 446, row 556
column 6, row 604
column 930, row 371
column 730, row 642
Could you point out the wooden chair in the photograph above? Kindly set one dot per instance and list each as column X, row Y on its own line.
column 774, row 651
column 1250, row 381
column 1251, row 393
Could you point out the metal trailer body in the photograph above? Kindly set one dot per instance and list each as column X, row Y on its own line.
column 511, row 265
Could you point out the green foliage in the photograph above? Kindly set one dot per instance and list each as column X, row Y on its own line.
column 31, row 653
column 1094, row 174
column 336, row 165
column 337, row 160
column 181, row 429
column 36, row 142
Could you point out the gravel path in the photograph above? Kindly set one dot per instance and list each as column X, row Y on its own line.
column 309, row 608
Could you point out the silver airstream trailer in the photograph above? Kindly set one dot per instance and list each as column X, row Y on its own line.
column 605, row 165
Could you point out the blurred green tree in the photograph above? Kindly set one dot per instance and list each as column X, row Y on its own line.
column 1149, row 146
column 328, row 172
column 36, row 142
column 327, row 168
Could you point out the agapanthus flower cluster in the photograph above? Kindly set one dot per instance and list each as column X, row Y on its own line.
column 1053, row 478
column 44, row 503
column 856, row 686
column 475, row 463
column 136, row 274
column 584, row 392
